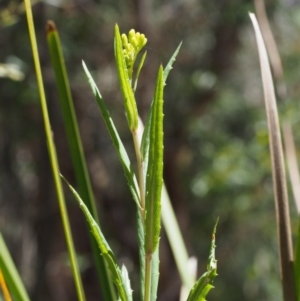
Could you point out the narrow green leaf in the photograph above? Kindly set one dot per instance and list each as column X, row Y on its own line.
column 129, row 100
column 278, row 171
column 146, row 135
column 11, row 275
column 139, row 70
column 204, row 283
column 171, row 226
column 119, row 277
column 76, row 150
column 53, row 156
column 155, row 169
column 141, row 243
column 175, row 238
column 154, row 274
column 123, row 157
column 169, row 67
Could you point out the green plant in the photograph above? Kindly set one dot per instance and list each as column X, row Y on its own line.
column 146, row 187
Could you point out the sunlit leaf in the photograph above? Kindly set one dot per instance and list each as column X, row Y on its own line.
column 119, row 277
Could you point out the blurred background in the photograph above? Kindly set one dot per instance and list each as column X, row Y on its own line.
column 216, row 144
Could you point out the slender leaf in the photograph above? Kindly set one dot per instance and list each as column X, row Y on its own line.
column 155, row 170
column 204, row 284
column 154, row 274
column 11, row 274
column 139, row 70
column 175, row 239
column 170, row 224
column 129, row 100
column 123, row 157
column 76, row 150
column 146, row 134
column 119, row 277
column 53, row 156
column 278, row 168
column 291, row 158
column 169, row 66
column 141, row 243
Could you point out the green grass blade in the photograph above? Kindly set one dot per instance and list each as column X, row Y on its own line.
column 53, row 156
column 129, row 100
column 204, row 284
column 76, row 150
column 143, row 58
column 175, row 238
column 11, row 275
column 123, row 157
column 278, row 170
column 119, row 277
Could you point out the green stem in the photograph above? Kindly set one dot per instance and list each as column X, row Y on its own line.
column 147, row 294
column 53, row 156
column 140, row 169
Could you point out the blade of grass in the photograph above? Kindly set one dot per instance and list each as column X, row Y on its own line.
column 53, row 156
column 175, row 239
column 291, row 158
column 11, row 274
column 278, row 170
column 275, row 60
column 120, row 278
column 290, row 152
column 4, row 288
column 76, row 150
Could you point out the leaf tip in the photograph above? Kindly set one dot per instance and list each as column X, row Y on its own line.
column 50, row 27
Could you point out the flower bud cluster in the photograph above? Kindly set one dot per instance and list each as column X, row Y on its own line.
column 132, row 46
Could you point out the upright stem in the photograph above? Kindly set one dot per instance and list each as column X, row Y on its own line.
column 140, row 170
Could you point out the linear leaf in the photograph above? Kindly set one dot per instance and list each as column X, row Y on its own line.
column 146, row 134
column 278, row 171
column 121, row 281
column 53, row 156
column 141, row 243
column 10, row 273
column 291, row 158
column 139, row 70
column 123, row 157
column 154, row 178
column 172, row 229
column 129, row 100
column 76, row 149
column 204, row 284
column 169, row 66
